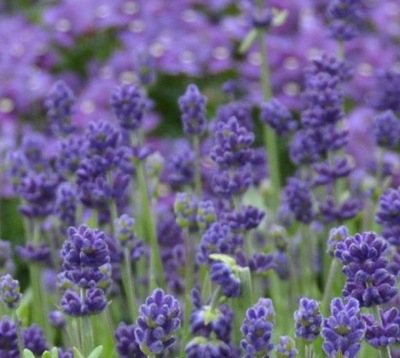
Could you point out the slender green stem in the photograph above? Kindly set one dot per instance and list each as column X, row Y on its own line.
column 216, row 297
column 270, row 138
column 309, row 352
column 155, row 260
column 328, row 286
column 87, row 336
column 197, row 166
column 340, row 50
column 127, row 280
column 19, row 335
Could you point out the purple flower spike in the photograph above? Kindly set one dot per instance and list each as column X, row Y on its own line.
column 200, row 347
column 223, row 274
column 275, row 114
column 158, row 320
column 206, row 214
column 336, row 235
column 10, row 292
column 366, row 269
column 8, row 338
column 298, row 197
column 125, row 230
column 386, row 130
column 344, row 329
column 257, row 329
column 34, row 340
column 383, row 334
column 128, row 104
column 308, row 319
column 59, row 108
column 192, row 105
column 126, row 343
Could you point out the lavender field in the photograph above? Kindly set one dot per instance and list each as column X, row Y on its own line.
column 199, row 178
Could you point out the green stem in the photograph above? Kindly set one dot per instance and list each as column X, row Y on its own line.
column 127, row 280
column 19, row 335
column 340, row 50
column 309, row 352
column 328, row 287
column 270, row 138
column 216, row 297
column 155, row 260
column 87, row 336
column 197, row 166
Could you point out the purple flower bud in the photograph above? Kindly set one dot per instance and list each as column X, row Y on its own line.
column 386, row 130
column 57, row 319
column 344, row 329
column 308, row 319
column 39, row 254
column 226, row 184
column 206, row 214
column 8, row 338
column 34, row 340
column 158, row 320
column 10, row 292
column 185, row 208
column 192, row 105
column 336, row 235
column 331, row 65
column 66, row 204
column 125, row 230
column 126, row 343
column 240, row 110
column 223, row 274
column 59, row 108
column 299, row 199
column 276, row 115
column 386, row 97
column 257, row 329
column 128, row 104
column 247, row 218
column 203, row 347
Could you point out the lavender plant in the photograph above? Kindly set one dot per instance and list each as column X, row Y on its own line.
column 244, row 239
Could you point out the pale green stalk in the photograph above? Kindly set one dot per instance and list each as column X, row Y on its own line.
column 197, row 166
column 127, row 280
column 333, row 270
column 383, row 352
column 270, row 139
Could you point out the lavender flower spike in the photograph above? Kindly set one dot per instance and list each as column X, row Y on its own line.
column 257, row 329
column 286, row 348
column 192, row 105
column 158, row 320
column 308, row 320
column 10, row 291
column 344, row 329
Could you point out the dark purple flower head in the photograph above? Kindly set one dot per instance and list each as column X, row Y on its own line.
column 226, row 185
column 32, row 148
column 218, row 322
column 247, row 218
column 286, row 348
column 232, row 144
column 386, row 96
column 389, row 208
column 193, row 108
column 8, row 339
column 328, row 172
column 366, row 269
column 218, row 239
column 385, row 333
column 331, row 65
column 386, row 130
column 125, row 230
column 93, row 302
column 102, row 136
column 72, row 151
column 38, row 190
column 86, row 258
column 299, row 199
column 59, row 108
column 304, row 149
column 180, row 166
column 159, row 318
column 6, row 262
column 203, row 347
column 10, row 292
column 126, row 344
column 128, row 104
column 276, row 115
column 39, row 254
column 257, row 329
column 308, row 320
column 344, row 329
column 240, row 110
column 331, row 211
column 260, row 263
column 336, row 235
column 34, row 340
column 224, row 274
column 347, row 18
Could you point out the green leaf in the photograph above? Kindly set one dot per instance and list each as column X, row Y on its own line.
column 223, row 258
column 28, row 354
column 77, row 353
column 46, row 354
column 96, row 352
column 248, row 41
column 54, row 352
